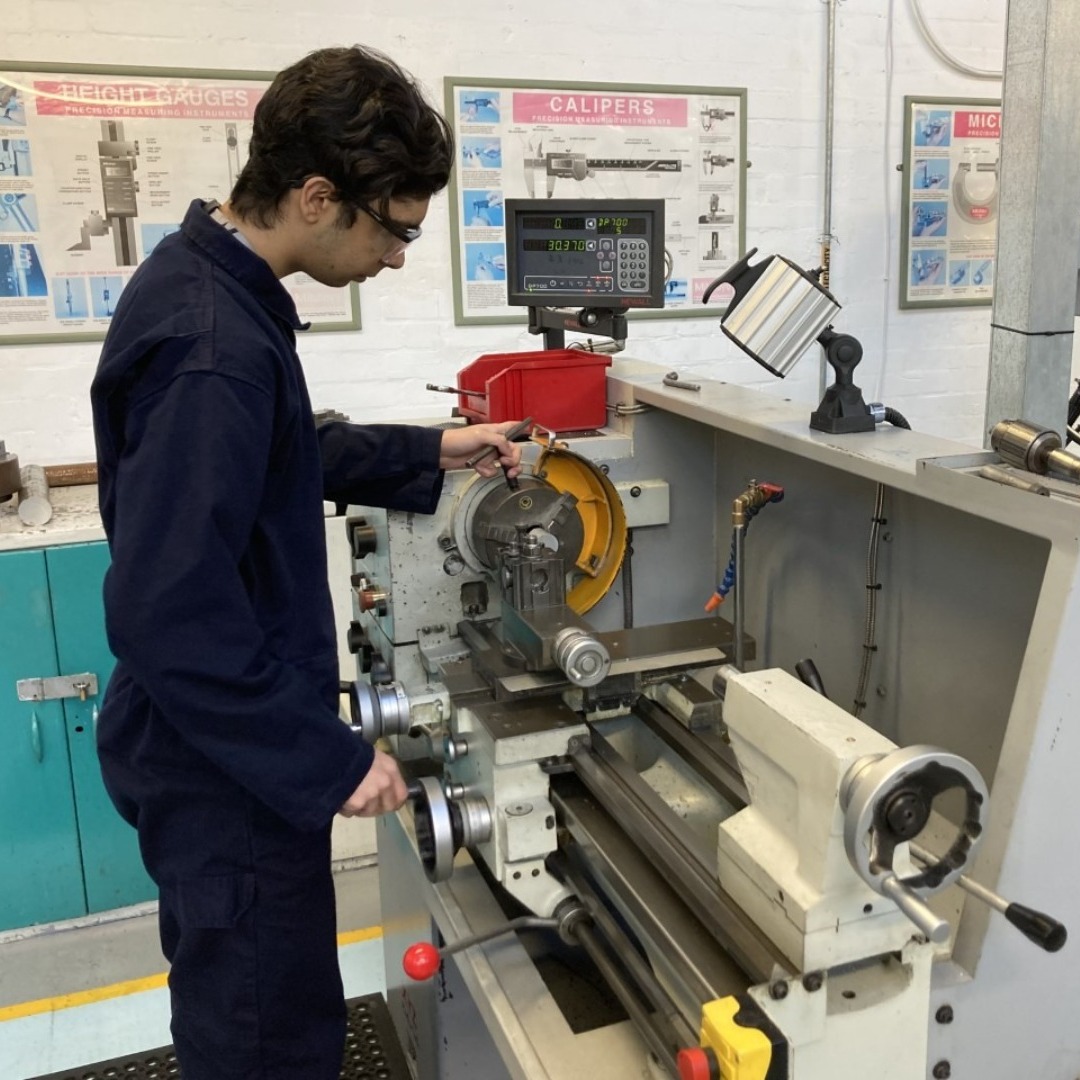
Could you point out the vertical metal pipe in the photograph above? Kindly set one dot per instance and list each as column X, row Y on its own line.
column 830, row 112
column 826, row 225
column 739, row 616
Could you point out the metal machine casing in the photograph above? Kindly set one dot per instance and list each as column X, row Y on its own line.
column 974, row 617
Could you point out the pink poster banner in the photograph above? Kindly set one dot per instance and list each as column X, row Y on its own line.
column 628, row 110
column 977, row 124
column 168, row 100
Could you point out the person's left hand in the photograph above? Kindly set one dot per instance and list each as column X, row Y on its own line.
column 461, row 443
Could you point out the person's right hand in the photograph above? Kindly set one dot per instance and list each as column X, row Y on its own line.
column 380, row 792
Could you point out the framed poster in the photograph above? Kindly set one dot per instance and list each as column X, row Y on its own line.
column 948, row 232
column 536, row 140
column 97, row 165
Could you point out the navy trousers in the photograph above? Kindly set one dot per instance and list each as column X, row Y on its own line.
column 248, row 924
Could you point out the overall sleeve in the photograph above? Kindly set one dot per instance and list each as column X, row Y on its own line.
column 395, row 466
column 188, row 489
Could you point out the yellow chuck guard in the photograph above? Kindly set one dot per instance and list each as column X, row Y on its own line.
column 747, row 1044
column 602, row 515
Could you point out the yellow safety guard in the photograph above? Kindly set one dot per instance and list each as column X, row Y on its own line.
column 602, row 516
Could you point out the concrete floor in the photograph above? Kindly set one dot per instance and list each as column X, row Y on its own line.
column 81, row 992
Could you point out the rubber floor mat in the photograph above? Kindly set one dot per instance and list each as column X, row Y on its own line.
column 372, row 1052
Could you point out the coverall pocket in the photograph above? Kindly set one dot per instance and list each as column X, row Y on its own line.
column 213, row 903
column 208, row 933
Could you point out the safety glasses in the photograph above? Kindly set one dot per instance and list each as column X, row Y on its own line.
column 406, row 234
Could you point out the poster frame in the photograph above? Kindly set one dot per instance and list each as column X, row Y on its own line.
column 134, row 72
column 911, row 103
column 452, row 83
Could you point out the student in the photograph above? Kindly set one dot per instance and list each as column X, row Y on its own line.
column 219, row 735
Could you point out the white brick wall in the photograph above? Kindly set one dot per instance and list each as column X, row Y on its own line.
column 935, row 364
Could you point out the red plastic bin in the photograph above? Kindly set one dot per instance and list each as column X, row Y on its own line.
column 561, row 389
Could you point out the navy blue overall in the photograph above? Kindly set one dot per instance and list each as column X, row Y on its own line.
column 219, row 734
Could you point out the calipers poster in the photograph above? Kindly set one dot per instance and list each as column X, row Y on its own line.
column 539, row 140
column 97, row 166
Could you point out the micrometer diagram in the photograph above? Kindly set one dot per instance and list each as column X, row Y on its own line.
column 975, row 191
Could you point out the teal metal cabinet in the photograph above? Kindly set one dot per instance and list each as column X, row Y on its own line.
column 113, row 872
column 40, row 865
column 64, row 851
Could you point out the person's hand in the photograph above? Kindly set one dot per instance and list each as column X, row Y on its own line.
column 380, row 792
column 494, row 198
column 459, row 444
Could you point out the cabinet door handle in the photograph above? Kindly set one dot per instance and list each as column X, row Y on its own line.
column 35, row 737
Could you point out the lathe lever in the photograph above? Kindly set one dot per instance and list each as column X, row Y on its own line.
column 1045, row 931
column 932, row 926
column 422, row 959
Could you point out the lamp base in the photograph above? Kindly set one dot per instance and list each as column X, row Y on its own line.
column 842, row 411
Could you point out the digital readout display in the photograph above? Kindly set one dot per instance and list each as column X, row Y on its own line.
column 621, row 226
column 604, row 226
column 575, row 224
column 555, row 244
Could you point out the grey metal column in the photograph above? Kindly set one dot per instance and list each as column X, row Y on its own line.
column 1039, row 227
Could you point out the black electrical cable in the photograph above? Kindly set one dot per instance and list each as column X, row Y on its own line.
column 873, row 587
column 896, row 419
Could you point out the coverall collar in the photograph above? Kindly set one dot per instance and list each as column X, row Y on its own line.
column 240, row 262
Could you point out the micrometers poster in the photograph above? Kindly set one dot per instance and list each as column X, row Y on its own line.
column 542, row 140
column 97, row 166
column 952, row 150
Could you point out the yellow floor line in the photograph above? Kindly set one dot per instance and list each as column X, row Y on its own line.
column 135, row 986
column 351, row 937
column 82, row 997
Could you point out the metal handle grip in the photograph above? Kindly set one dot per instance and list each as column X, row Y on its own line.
column 933, row 927
column 36, row 744
column 1046, row 932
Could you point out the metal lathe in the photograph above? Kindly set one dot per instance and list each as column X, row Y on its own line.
column 759, row 842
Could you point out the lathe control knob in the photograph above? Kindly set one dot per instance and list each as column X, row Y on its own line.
column 359, row 645
column 887, row 799
column 443, row 827
column 583, row 659
column 421, row 960
column 373, row 599
column 379, row 710
column 362, row 537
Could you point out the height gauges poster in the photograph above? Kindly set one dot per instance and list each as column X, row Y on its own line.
column 97, row 166
column 950, row 209
column 545, row 140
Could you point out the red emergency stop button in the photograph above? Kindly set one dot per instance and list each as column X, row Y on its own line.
column 698, row 1063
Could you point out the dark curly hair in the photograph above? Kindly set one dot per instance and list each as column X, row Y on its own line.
column 353, row 116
